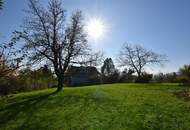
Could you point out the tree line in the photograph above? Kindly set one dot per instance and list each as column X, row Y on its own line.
column 129, row 75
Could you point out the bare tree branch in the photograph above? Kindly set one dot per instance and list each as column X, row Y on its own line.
column 137, row 57
column 47, row 37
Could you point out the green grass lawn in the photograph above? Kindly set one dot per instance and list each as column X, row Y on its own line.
column 101, row 107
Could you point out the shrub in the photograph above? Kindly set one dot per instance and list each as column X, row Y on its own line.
column 10, row 85
column 183, row 80
column 145, row 78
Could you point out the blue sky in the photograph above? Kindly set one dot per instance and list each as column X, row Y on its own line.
column 160, row 25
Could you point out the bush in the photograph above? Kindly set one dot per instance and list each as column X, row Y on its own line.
column 112, row 78
column 185, row 75
column 145, row 78
column 159, row 78
column 127, row 76
column 183, row 80
column 9, row 85
column 16, row 84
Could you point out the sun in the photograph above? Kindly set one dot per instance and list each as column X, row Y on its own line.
column 96, row 28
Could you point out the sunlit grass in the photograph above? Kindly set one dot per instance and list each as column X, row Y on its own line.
column 100, row 107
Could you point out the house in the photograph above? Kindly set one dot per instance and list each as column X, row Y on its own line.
column 76, row 76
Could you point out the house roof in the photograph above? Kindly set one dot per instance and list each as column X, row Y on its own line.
column 84, row 71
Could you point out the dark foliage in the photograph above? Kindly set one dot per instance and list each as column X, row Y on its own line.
column 184, row 73
column 27, row 80
column 109, row 73
column 166, row 78
column 145, row 78
column 37, row 79
column 10, row 85
column 127, row 76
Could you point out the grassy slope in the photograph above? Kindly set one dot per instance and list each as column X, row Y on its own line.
column 105, row 107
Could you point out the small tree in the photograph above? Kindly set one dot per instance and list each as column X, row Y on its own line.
column 127, row 76
column 145, row 78
column 185, row 70
column 41, row 78
column 48, row 37
column 159, row 78
column 9, row 61
column 108, row 67
column 109, row 73
column 171, row 77
column 9, row 64
column 137, row 57
column 185, row 73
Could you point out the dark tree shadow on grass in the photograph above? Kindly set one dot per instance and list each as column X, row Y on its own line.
column 27, row 106
column 25, row 111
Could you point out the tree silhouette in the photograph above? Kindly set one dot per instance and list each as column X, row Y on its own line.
column 108, row 67
column 49, row 37
column 109, row 73
column 137, row 57
column 185, row 71
column 9, row 61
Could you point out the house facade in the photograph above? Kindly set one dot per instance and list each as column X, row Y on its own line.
column 78, row 76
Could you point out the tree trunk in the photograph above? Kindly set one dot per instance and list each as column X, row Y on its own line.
column 60, row 83
column 138, row 77
column 139, row 74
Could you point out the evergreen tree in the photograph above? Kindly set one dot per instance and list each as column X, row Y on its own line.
column 108, row 67
column 109, row 73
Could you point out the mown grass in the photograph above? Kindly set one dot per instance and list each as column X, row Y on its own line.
column 101, row 107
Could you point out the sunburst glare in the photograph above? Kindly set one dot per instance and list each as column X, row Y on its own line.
column 96, row 28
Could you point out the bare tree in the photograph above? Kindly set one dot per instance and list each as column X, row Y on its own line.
column 137, row 57
column 47, row 36
column 92, row 59
column 9, row 61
